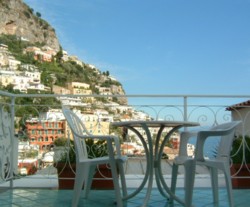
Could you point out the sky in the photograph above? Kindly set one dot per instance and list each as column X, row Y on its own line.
column 158, row 46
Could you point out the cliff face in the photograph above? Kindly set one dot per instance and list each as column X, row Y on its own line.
column 16, row 18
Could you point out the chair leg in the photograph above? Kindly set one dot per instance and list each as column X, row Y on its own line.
column 229, row 186
column 79, row 179
column 88, row 173
column 214, row 184
column 123, row 180
column 173, row 180
column 116, row 183
column 189, row 166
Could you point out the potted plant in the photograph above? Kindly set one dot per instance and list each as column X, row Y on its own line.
column 60, row 148
column 240, row 158
column 66, row 166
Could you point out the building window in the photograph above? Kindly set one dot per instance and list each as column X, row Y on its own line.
column 43, row 125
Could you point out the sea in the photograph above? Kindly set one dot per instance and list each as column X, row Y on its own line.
column 210, row 147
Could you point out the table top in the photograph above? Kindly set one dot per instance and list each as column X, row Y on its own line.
column 155, row 123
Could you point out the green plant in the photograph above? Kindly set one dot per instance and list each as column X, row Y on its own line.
column 94, row 148
column 69, row 156
column 60, row 141
column 241, row 150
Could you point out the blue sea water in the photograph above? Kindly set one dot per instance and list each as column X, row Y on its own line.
column 210, row 147
column 211, row 143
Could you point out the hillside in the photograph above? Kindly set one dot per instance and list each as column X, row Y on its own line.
column 20, row 28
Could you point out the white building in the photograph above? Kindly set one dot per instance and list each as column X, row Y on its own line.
column 39, row 87
column 103, row 115
column 65, row 56
column 113, row 106
column 95, row 123
column 72, row 101
column 13, row 63
column 29, row 67
column 53, row 115
column 6, row 59
column 31, row 80
column 35, row 76
column 21, row 83
column 6, row 77
column 139, row 115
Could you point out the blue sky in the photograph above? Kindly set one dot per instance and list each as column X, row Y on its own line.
column 158, row 46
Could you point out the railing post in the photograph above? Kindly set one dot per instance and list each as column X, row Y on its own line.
column 12, row 141
column 185, row 110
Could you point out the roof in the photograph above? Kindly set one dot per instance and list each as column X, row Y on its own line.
column 239, row 105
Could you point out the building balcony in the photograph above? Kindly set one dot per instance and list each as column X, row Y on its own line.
column 40, row 186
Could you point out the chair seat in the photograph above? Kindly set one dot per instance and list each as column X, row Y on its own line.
column 181, row 159
column 104, row 159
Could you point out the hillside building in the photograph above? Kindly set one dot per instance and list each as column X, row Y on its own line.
column 43, row 133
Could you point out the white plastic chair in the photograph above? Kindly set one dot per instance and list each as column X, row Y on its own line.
column 85, row 167
column 221, row 161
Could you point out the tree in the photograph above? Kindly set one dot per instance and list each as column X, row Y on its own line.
column 59, row 55
column 38, row 14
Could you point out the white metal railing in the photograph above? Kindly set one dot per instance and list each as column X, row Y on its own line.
column 208, row 110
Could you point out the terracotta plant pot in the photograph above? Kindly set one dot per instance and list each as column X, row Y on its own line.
column 66, row 177
column 241, row 182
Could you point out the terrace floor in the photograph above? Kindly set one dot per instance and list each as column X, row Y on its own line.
column 105, row 198
column 43, row 191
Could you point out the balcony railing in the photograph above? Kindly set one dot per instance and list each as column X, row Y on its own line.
column 21, row 153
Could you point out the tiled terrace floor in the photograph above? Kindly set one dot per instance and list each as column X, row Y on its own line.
column 62, row 198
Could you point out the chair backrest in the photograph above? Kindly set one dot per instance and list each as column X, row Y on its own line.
column 226, row 139
column 184, row 140
column 78, row 129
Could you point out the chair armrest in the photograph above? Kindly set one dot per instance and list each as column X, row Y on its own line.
column 101, row 137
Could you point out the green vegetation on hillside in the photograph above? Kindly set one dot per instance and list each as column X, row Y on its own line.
column 63, row 72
